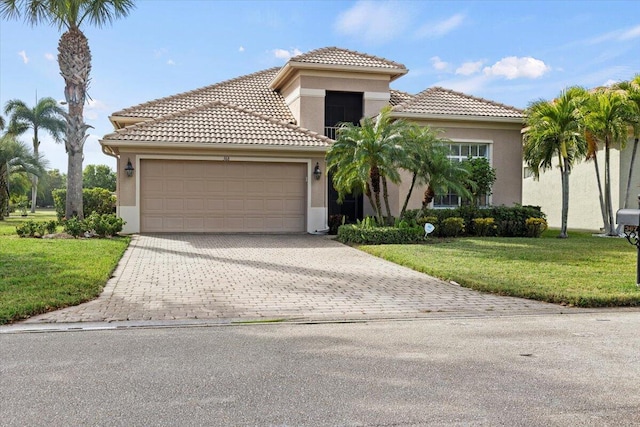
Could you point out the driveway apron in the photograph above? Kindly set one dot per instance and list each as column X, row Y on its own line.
column 274, row 277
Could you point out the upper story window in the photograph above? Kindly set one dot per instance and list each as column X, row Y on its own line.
column 459, row 152
column 340, row 107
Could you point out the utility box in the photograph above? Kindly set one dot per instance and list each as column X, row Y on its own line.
column 630, row 220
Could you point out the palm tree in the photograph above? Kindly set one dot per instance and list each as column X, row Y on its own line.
column 632, row 89
column 427, row 160
column 607, row 119
column 553, row 133
column 15, row 157
column 74, row 60
column 46, row 115
column 364, row 157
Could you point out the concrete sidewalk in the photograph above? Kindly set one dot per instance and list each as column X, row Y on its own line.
column 259, row 277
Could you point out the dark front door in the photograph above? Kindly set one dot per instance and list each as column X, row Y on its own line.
column 351, row 206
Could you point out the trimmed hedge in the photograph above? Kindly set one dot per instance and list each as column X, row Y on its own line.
column 508, row 221
column 99, row 200
column 352, row 233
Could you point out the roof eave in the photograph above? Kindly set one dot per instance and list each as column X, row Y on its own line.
column 457, row 117
column 289, row 67
column 175, row 144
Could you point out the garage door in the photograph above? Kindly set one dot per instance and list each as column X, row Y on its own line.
column 208, row 196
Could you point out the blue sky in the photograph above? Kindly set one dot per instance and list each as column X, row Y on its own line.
column 512, row 52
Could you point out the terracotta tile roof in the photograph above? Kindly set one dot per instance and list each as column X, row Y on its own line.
column 220, row 123
column 339, row 56
column 398, row 97
column 440, row 101
column 250, row 91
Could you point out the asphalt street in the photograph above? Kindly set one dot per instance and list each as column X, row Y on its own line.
column 547, row 370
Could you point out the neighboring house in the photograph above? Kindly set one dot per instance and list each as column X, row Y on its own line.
column 584, row 203
column 247, row 154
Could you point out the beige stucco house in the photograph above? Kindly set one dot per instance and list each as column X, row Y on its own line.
column 247, row 154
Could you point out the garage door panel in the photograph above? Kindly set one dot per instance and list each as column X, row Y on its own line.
column 216, row 196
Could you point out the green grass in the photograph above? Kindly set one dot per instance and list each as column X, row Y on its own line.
column 40, row 275
column 582, row 270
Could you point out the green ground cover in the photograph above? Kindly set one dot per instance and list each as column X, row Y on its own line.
column 40, row 275
column 582, row 270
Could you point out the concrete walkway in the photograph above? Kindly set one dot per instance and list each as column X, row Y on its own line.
column 263, row 277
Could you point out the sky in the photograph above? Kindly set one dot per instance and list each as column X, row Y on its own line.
column 513, row 52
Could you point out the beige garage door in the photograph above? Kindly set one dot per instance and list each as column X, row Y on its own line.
column 209, row 196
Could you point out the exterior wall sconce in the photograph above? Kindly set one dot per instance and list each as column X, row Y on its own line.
column 129, row 168
column 316, row 171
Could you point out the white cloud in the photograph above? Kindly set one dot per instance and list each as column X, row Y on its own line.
column 158, row 53
column 49, row 57
column 374, row 22
column 438, row 63
column 285, row 54
column 631, row 33
column 439, row 29
column 22, row 54
column 171, row 62
column 94, row 108
column 469, row 68
column 513, row 67
column 241, row 49
column 610, row 82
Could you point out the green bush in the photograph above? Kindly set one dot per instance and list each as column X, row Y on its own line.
column 74, row 226
column 452, row 227
column 484, row 226
column 353, row 233
column 508, row 221
column 536, row 226
column 104, row 225
column 98, row 200
column 36, row 229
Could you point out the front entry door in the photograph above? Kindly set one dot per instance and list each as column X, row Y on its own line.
column 351, row 207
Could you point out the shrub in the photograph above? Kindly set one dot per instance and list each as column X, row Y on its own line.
column 452, row 227
column 536, row 226
column 484, row 226
column 74, row 227
column 104, row 225
column 98, row 200
column 354, row 233
column 36, row 229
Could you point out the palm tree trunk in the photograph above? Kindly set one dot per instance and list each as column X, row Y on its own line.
column 34, row 178
column 368, row 193
column 4, row 192
column 74, row 58
column 633, row 160
column 564, row 172
column 605, row 223
column 607, row 189
column 406, row 200
column 385, row 196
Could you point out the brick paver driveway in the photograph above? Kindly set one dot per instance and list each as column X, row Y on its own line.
column 248, row 277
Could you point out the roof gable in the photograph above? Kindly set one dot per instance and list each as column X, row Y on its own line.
column 250, row 91
column 344, row 57
column 446, row 102
column 219, row 123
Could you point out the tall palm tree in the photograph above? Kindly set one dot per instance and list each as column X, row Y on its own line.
column 74, row 60
column 427, row 160
column 607, row 121
column 15, row 157
column 47, row 116
column 554, row 133
column 364, row 157
column 632, row 89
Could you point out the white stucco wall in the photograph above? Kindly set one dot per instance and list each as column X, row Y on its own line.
column 584, row 204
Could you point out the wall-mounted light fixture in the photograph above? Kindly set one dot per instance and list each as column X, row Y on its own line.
column 129, row 168
column 316, row 171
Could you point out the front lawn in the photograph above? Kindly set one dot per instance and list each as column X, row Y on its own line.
column 582, row 270
column 40, row 275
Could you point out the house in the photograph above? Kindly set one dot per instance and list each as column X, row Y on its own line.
column 247, row 154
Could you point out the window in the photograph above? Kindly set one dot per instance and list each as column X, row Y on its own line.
column 459, row 152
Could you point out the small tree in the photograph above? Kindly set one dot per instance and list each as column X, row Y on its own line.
column 482, row 175
column 99, row 176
